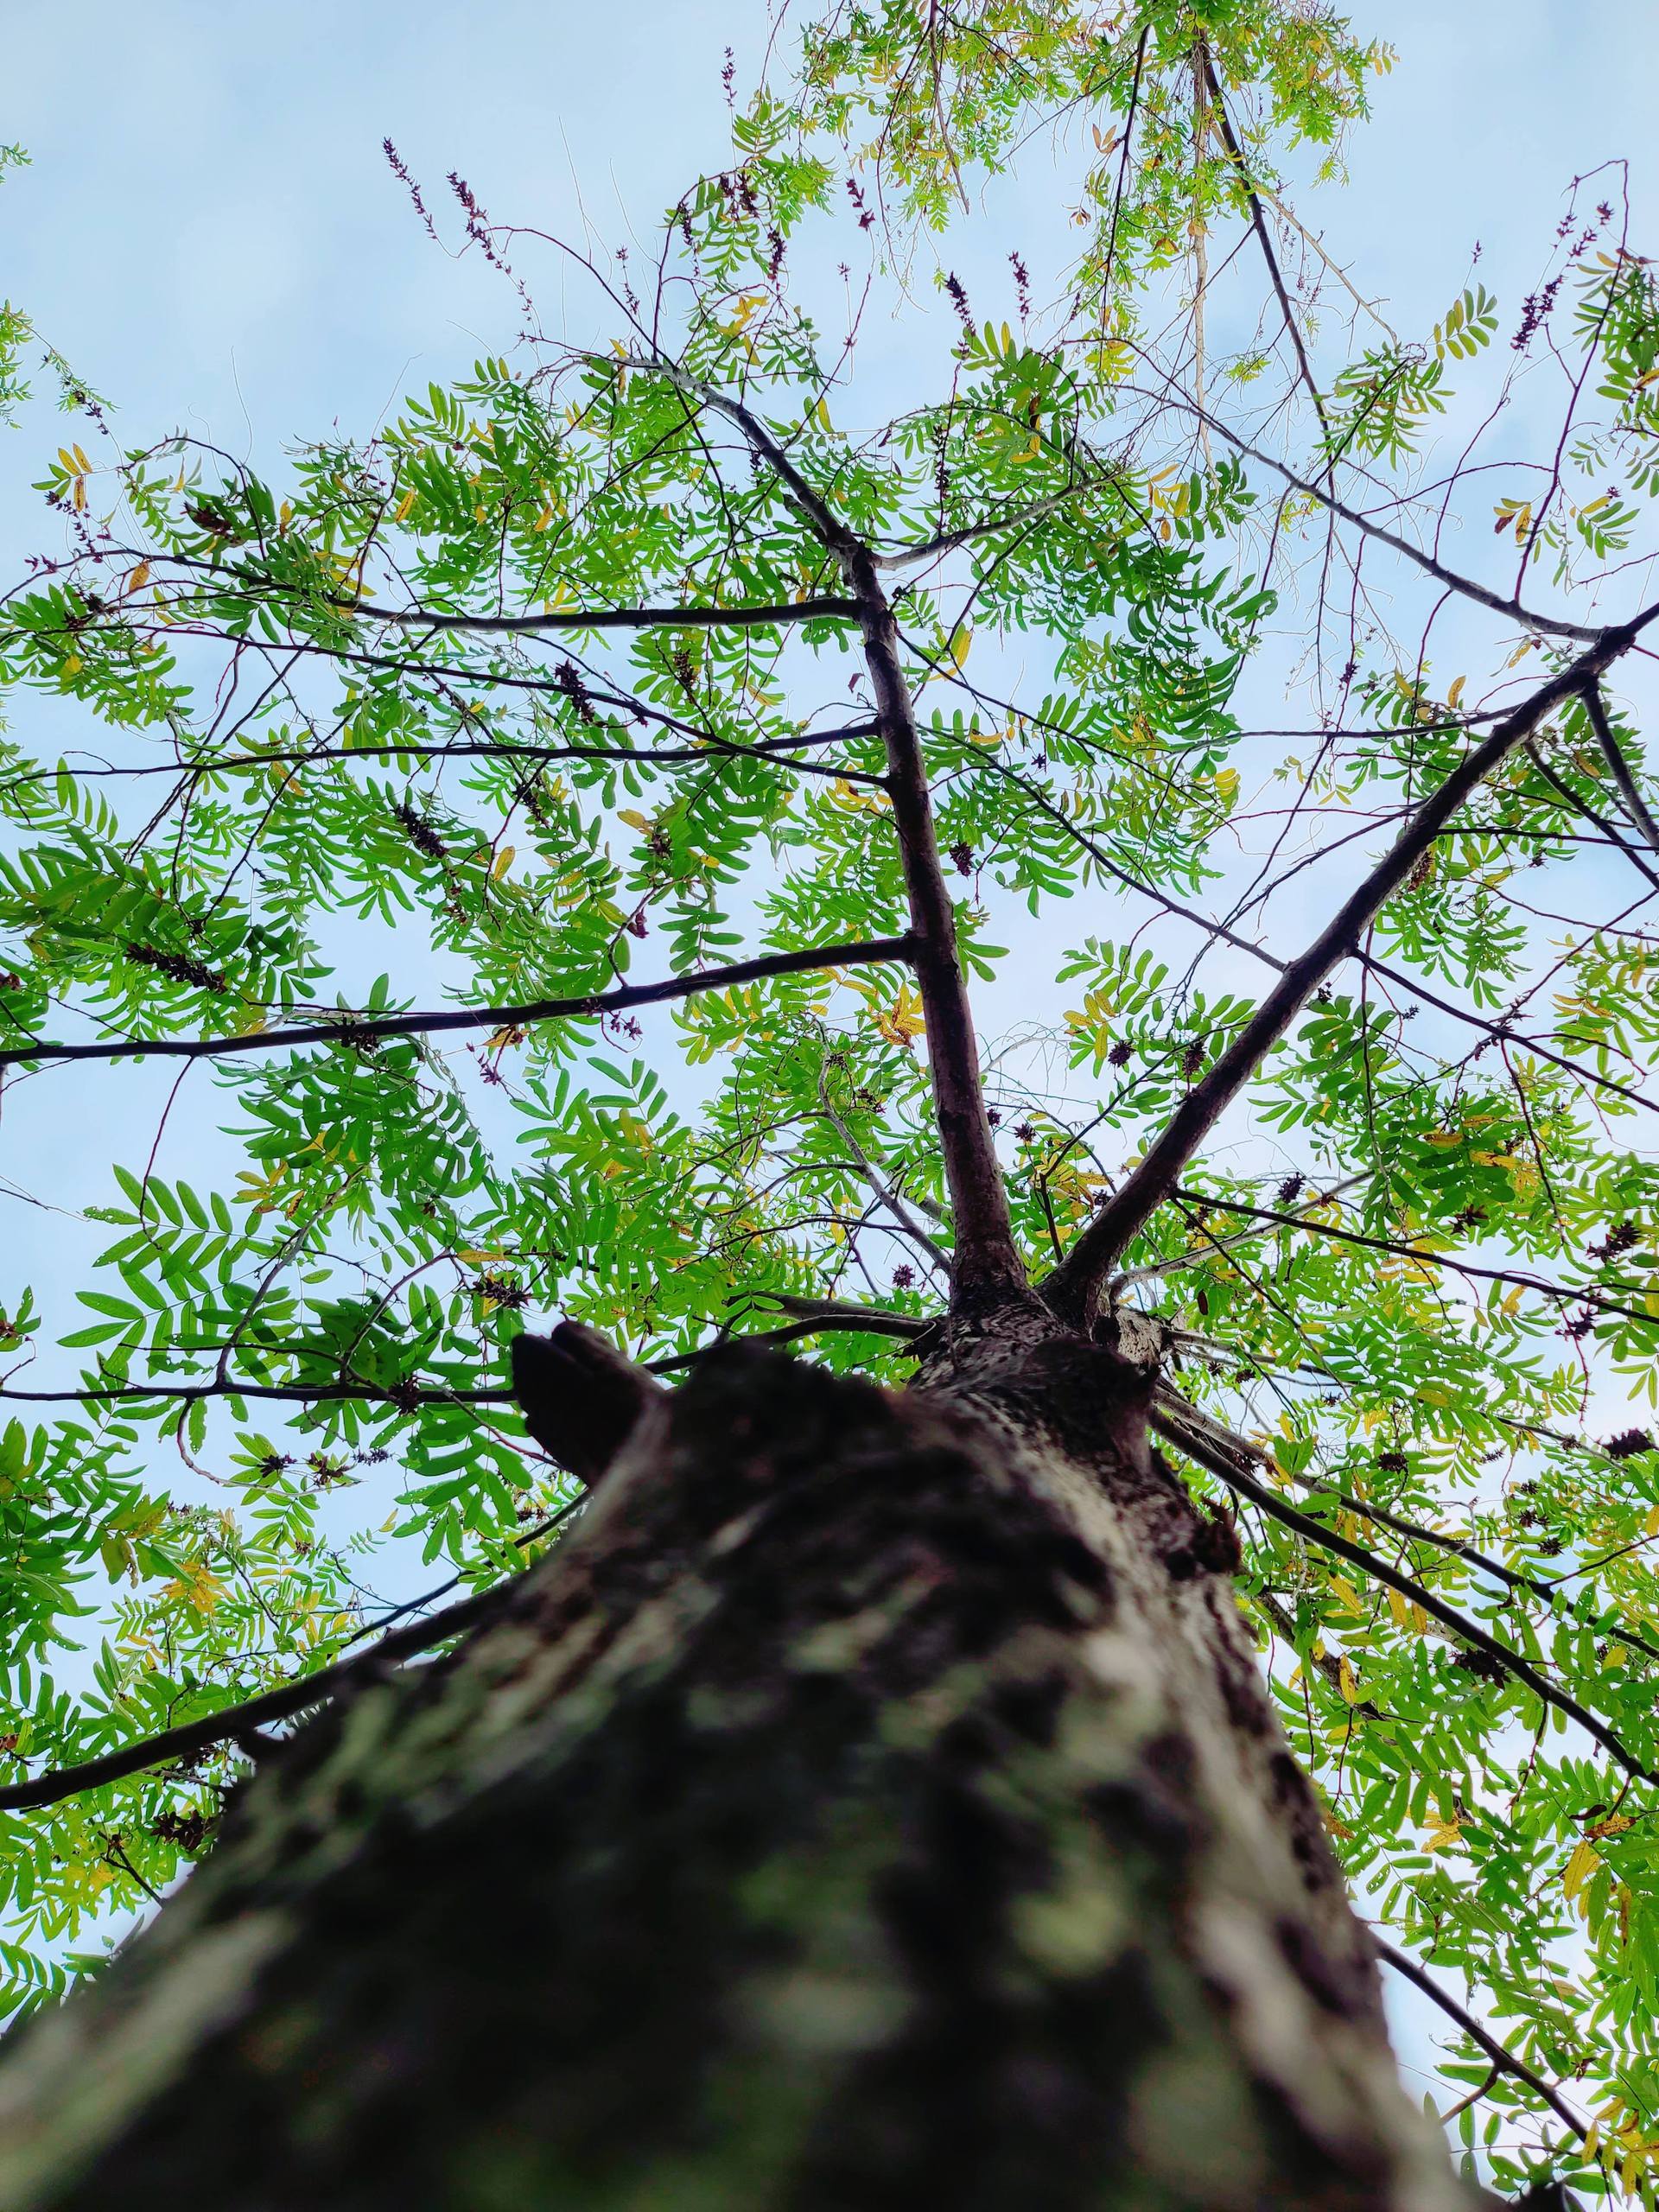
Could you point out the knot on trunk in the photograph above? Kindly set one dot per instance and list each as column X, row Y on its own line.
column 580, row 1396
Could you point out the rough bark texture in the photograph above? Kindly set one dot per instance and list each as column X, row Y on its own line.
column 875, row 1805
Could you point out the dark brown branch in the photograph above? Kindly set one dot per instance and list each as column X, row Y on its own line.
column 619, row 618
column 1192, row 1433
column 1619, row 767
column 818, row 1317
column 988, row 1266
column 948, row 541
column 235, row 1720
column 776, row 751
column 841, row 1313
column 1501, row 2055
column 405, row 1396
column 354, row 1029
column 1223, row 935
column 1576, row 804
column 812, row 503
column 1074, row 1286
column 1460, row 1548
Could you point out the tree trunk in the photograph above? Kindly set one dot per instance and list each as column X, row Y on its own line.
column 875, row 1804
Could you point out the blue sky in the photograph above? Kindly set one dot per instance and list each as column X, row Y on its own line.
column 210, row 233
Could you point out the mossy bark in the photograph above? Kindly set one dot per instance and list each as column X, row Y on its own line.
column 876, row 1804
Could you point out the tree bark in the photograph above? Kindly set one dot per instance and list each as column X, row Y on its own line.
column 875, row 1803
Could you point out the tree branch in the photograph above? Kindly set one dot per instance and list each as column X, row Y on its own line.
column 883, row 1190
column 354, row 1029
column 1583, row 809
column 1501, row 2055
column 1216, row 1448
column 817, row 508
column 1636, row 805
column 988, row 1266
column 777, row 750
column 947, row 540
column 1258, row 217
column 1403, row 981
column 1460, row 1548
column 1073, row 1288
column 1511, row 609
column 1199, row 1254
column 234, row 1720
column 1563, row 1294
column 818, row 1317
column 841, row 1313
column 617, row 618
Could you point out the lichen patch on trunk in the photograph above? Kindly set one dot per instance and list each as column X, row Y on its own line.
column 875, row 1804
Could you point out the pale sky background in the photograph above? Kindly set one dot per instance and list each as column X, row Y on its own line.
column 211, row 235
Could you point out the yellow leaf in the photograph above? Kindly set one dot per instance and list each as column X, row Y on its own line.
column 1579, row 1869
column 960, row 641
column 72, row 664
column 821, row 410
column 1456, row 693
column 503, row 862
column 139, row 577
column 1347, row 1681
column 1443, row 1837
column 196, row 1587
column 1350, row 1598
column 404, row 505
column 634, row 819
column 903, row 1021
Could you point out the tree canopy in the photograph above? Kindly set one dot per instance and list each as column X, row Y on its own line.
column 489, row 817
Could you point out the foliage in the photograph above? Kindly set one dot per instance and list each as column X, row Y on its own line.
column 366, row 708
